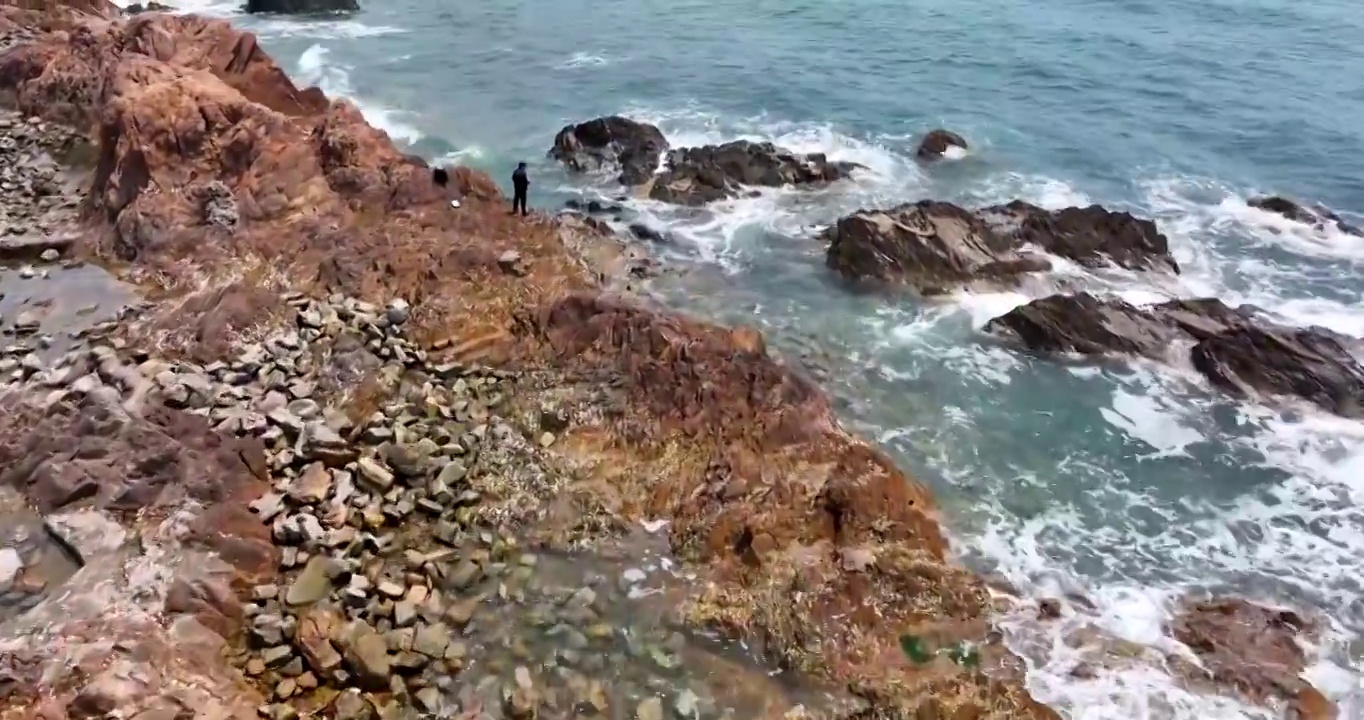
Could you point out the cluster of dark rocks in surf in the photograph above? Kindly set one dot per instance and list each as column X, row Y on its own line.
column 932, row 248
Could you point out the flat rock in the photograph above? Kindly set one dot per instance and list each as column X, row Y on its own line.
column 315, row 582
column 312, row 486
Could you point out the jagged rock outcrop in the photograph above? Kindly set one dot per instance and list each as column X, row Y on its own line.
column 611, row 142
column 1317, row 216
column 696, row 176
column 1236, row 350
column 301, row 7
column 937, row 143
column 935, row 247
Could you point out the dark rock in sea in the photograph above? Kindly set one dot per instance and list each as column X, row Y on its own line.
column 1092, row 236
column 644, row 232
column 937, row 142
column 1318, row 216
column 613, row 141
column 138, row 8
column 1237, row 351
column 593, row 207
column 301, row 7
column 934, row 247
column 930, row 246
column 696, row 176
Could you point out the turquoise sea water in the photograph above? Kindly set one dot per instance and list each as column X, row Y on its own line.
column 1130, row 484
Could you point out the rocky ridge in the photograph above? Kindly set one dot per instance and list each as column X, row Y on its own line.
column 156, row 450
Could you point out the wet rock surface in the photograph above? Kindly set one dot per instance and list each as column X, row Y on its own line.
column 1253, row 649
column 935, row 247
column 1238, row 351
column 609, row 142
column 696, row 176
column 1318, row 217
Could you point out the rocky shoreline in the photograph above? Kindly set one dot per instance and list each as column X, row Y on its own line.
column 361, row 455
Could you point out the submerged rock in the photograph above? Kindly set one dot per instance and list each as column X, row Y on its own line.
column 1238, row 352
column 937, row 143
column 934, row 247
column 612, row 141
column 1317, row 216
column 695, row 176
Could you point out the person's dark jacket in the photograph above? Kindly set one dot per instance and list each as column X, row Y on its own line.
column 519, row 180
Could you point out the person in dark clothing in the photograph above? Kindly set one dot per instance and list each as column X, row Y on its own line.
column 520, row 184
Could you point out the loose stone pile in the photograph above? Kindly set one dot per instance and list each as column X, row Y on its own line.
column 400, row 589
column 36, row 202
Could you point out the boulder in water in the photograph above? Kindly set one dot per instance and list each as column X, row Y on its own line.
column 937, row 143
column 932, row 247
column 613, row 141
column 1092, row 236
column 1236, row 350
column 696, row 176
column 935, row 247
column 301, row 7
column 1318, row 216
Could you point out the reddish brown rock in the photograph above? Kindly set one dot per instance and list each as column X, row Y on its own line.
column 1251, row 649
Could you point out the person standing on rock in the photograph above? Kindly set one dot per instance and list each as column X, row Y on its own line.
column 520, row 184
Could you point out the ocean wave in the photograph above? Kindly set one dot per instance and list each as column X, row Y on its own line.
column 315, row 67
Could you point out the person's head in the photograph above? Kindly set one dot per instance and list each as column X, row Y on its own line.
column 520, row 166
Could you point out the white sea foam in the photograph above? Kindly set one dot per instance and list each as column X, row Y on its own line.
column 583, row 60
column 316, row 67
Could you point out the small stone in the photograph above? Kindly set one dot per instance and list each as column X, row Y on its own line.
column 367, row 654
column 50, row 255
column 465, row 574
column 10, row 565
column 390, row 589
column 268, row 591
column 255, row 666
column 286, row 688
column 398, row 311
column 1049, row 609
column 453, row 472
column 649, row 709
column 461, row 612
column 351, row 705
column 428, row 699
column 377, row 475
column 277, row 657
column 685, row 704
column 431, row 640
column 404, row 613
column 315, row 582
column 268, row 506
column 546, row 439
column 312, row 486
